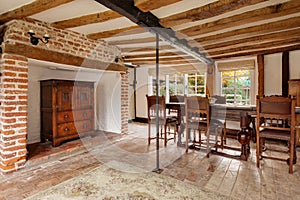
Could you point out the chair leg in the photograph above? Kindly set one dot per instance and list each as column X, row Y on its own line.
column 186, row 139
column 207, row 143
column 258, row 151
column 175, row 131
column 149, row 133
column 292, row 153
column 165, row 133
column 216, row 138
column 200, row 141
column 194, row 139
column 224, row 135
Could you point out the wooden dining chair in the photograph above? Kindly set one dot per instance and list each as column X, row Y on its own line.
column 219, row 114
column 276, row 121
column 165, row 122
column 198, row 120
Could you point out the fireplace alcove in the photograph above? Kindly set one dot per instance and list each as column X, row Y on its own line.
column 107, row 115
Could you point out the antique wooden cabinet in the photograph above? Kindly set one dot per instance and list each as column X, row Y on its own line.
column 294, row 89
column 67, row 109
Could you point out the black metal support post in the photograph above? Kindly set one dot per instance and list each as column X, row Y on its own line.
column 157, row 169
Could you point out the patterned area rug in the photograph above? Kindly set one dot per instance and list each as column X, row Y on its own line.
column 111, row 184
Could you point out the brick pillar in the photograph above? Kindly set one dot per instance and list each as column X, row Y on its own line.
column 13, row 111
column 124, row 102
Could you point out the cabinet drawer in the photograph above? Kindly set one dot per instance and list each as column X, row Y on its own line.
column 83, row 126
column 66, row 129
column 63, row 117
column 82, row 115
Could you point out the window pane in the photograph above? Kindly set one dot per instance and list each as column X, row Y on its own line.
column 228, row 82
column 243, row 73
column 191, row 90
column 176, row 84
column 200, row 80
column 200, row 90
column 243, row 81
column 191, row 81
column 227, row 73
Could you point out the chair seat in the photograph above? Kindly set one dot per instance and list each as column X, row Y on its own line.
column 217, row 122
column 171, row 119
column 197, row 125
column 275, row 134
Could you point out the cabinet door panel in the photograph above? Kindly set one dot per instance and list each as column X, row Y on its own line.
column 84, row 97
column 65, row 98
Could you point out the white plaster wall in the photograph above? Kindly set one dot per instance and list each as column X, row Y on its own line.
column 272, row 74
column 107, row 118
column 295, row 64
column 141, row 91
column 108, row 98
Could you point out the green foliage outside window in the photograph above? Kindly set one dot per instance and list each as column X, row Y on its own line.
column 236, row 86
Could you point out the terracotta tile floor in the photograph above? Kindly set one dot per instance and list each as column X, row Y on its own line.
column 48, row 166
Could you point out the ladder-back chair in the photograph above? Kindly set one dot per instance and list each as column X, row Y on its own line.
column 164, row 121
column 198, row 119
column 275, row 120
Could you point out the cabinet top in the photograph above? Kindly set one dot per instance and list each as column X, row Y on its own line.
column 68, row 82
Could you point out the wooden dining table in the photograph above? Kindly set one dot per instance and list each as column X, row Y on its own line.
column 222, row 112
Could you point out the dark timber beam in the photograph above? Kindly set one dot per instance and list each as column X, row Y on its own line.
column 151, row 23
column 285, row 73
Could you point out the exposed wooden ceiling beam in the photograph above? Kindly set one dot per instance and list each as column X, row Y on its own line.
column 147, row 5
column 277, row 36
column 257, row 48
column 245, row 18
column 31, row 9
column 87, row 19
column 207, row 11
column 151, row 22
column 286, row 24
column 112, row 33
column 290, row 47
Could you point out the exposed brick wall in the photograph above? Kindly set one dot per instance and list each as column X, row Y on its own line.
column 14, row 82
column 13, row 109
column 63, row 41
column 124, row 102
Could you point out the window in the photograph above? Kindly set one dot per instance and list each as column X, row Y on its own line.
column 196, row 84
column 181, row 84
column 236, row 86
